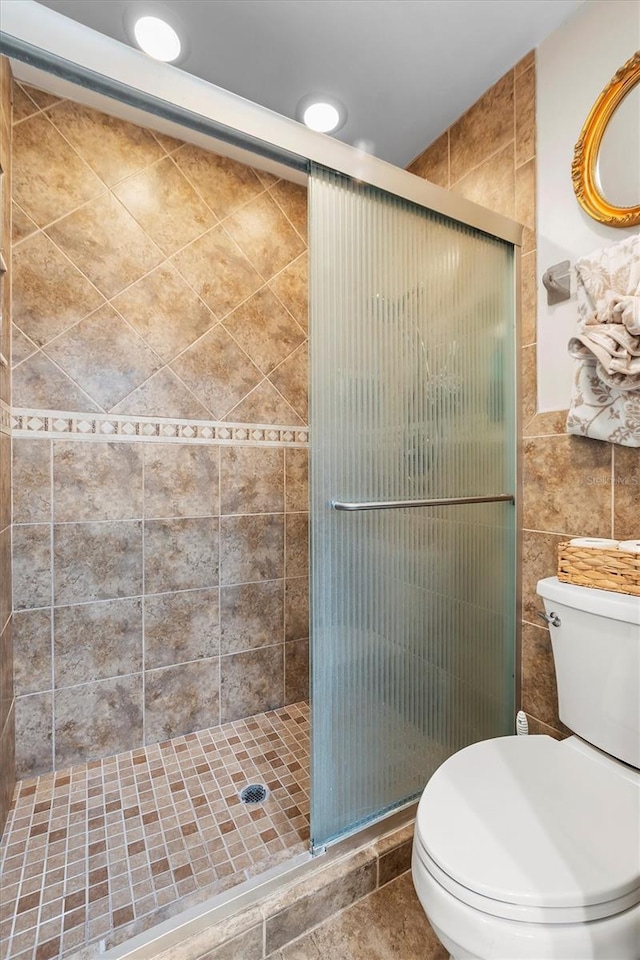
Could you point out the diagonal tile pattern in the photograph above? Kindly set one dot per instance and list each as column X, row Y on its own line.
column 42, row 310
column 23, row 105
column 265, row 235
column 151, row 305
column 130, row 248
column 165, row 392
column 39, row 383
column 113, row 148
column 106, row 243
column 291, row 379
column 216, row 369
column 81, row 351
column 166, row 206
column 22, row 226
column 21, row 347
column 265, row 405
column 264, row 329
column 96, row 851
column 292, row 198
column 291, row 287
column 222, row 183
column 41, row 99
column 40, row 151
column 218, row 271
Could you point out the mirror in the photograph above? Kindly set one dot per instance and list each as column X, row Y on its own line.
column 606, row 162
column 618, row 164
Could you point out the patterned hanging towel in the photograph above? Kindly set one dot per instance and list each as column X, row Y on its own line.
column 605, row 397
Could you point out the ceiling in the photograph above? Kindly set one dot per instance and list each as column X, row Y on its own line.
column 404, row 69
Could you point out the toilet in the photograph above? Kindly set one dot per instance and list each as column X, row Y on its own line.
column 528, row 848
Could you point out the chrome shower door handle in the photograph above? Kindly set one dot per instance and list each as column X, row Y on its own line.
column 552, row 619
column 352, row 506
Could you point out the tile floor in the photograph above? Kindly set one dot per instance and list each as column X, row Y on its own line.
column 105, row 850
column 389, row 924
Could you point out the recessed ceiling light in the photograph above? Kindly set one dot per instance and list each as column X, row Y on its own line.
column 321, row 113
column 322, row 117
column 156, row 38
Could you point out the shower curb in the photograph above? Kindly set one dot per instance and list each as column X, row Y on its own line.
column 257, row 919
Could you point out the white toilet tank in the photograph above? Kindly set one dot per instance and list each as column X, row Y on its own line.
column 596, row 649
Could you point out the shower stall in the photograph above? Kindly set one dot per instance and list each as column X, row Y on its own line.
column 412, row 503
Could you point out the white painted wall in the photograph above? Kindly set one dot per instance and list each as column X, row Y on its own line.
column 573, row 65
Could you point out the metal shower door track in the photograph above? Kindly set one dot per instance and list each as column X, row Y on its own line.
column 46, row 46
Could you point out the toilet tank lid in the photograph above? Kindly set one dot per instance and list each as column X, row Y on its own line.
column 604, row 603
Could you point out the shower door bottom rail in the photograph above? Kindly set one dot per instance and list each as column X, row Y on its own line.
column 352, row 506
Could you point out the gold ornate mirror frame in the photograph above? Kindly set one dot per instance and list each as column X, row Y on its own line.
column 585, row 157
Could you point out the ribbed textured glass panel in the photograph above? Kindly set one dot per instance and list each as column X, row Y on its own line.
column 412, row 392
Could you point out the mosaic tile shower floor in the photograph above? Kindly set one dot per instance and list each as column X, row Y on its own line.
column 105, row 850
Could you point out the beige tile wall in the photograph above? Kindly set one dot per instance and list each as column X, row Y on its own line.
column 572, row 486
column 152, row 278
column 159, row 588
column 7, row 713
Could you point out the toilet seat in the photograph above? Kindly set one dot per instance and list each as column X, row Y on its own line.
column 532, row 829
column 514, row 911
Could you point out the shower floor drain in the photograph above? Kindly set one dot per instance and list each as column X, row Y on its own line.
column 254, row 793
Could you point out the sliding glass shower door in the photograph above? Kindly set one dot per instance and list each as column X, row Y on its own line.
column 413, row 400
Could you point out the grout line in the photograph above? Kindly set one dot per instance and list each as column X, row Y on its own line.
column 285, row 472
column 165, row 593
column 156, row 134
column 549, row 533
column 490, row 156
column 36, row 348
column 79, row 156
column 143, row 493
column 265, row 379
column 75, row 383
column 219, row 219
column 284, row 306
column 53, row 580
column 36, row 108
column 303, row 237
column 220, row 623
column 163, row 519
column 43, row 229
column 156, row 163
column 65, row 256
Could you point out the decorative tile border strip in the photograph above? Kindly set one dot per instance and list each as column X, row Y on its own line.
column 5, row 418
column 62, row 425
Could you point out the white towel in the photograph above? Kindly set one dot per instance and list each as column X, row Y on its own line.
column 605, row 398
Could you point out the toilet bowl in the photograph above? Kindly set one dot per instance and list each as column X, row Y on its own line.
column 528, row 848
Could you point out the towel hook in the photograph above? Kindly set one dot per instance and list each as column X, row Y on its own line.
column 557, row 282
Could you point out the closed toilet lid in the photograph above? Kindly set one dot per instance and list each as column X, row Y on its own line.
column 534, row 821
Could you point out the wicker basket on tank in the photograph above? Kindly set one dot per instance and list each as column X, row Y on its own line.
column 607, row 569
